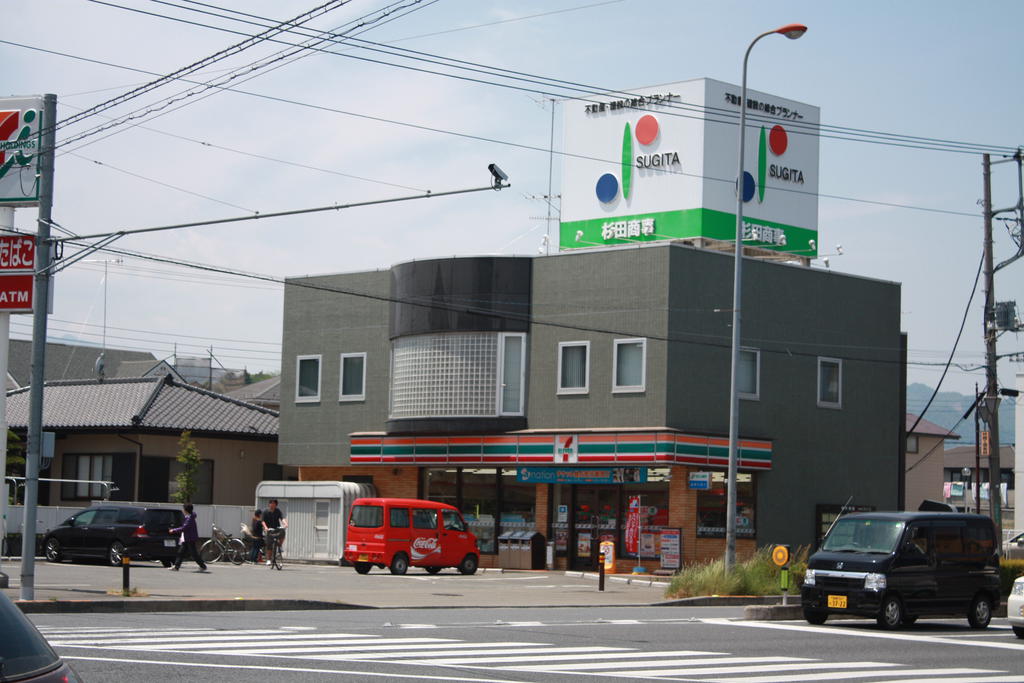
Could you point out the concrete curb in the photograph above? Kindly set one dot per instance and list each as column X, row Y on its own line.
column 773, row 612
column 189, row 605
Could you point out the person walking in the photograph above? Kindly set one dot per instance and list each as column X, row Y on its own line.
column 256, row 529
column 189, row 535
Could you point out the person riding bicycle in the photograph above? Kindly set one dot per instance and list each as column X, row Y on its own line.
column 273, row 518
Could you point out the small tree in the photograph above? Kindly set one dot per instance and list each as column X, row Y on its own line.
column 188, row 456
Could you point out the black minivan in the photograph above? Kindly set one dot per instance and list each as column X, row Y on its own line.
column 111, row 531
column 898, row 566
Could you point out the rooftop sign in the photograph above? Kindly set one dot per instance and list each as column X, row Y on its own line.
column 660, row 163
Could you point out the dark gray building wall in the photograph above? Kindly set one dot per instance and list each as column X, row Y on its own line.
column 598, row 297
column 320, row 319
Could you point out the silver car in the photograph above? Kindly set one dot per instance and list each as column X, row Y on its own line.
column 1015, row 607
column 1014, row 548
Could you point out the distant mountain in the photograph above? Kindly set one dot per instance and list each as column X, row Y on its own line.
column 949, row 406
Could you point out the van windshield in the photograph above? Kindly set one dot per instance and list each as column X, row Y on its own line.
column 863, row 536
column 367, row 516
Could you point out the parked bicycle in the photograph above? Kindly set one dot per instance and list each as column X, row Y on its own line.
column 222, row 546
column 274, row 551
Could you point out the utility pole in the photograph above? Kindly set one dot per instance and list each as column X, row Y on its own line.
column 991, row 373
column 41, row 303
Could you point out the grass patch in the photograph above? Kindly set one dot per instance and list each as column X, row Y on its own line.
column 756, row 575
column 130, row 593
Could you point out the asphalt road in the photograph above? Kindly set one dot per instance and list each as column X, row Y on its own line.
column 525, row 644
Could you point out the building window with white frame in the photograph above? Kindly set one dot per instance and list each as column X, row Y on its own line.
column 573, row 367
column 630, row 365
column 830, row 383
column 353, row 377
column 307, row 379
column 512, row 352
column 748, row 375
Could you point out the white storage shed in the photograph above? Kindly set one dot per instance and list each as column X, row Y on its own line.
column 317, row 512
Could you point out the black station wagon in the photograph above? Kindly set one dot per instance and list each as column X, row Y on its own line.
column 110, row 532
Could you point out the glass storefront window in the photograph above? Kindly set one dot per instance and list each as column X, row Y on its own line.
column 711, row 507
column 518, row 502
column 654, row 502
column 441, row 486
column 480, row 505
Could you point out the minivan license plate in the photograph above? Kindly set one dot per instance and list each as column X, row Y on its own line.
column 168, row 544
column 837, row 601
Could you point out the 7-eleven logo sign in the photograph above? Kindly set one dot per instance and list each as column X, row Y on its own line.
column 17, row 143
column 21, row 119
column 566, row 449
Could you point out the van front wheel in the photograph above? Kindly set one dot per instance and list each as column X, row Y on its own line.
column 468, row 565
column 892, row 615
column 981, row 612
column 399, row 564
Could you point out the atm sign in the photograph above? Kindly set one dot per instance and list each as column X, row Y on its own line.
column 16, row 292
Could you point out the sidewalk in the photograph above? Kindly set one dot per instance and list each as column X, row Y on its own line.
column 94, row 587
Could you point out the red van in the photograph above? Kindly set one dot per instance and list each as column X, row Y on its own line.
column 399, row 532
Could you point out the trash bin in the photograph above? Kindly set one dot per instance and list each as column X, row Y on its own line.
column 505, row 550
column 534, row 550
column 520, row 549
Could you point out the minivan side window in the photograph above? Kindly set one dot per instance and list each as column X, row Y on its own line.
column 105, row 516
column 947, row 541
column 979, row 543
column 84, row 518
column 400, row 517
column 128, row 516
column 452, row 521
column 424, row 519
column 367, row 516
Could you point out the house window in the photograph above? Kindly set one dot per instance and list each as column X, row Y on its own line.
column 630, row 365
column 89, row 467
column 911, row 443
column 307, row 374
column 748, row 374
column 830, row 383
column 573, row 367
column 353, row 377
column 513, row 363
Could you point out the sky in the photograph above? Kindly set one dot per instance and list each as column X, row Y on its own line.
column 338, row 126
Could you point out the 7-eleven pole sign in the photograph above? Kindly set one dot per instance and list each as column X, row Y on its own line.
column 21, row 124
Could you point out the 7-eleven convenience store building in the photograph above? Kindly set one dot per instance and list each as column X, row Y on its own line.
column 547, row 394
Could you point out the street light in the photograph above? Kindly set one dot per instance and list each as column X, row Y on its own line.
column 791, row 31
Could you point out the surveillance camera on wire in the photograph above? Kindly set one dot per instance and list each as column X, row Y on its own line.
column 500, row 177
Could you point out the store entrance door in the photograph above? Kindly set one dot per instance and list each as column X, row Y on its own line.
column 595, row 518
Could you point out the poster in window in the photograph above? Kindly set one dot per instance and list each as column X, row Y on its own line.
column 583, row 541
column 671, row 548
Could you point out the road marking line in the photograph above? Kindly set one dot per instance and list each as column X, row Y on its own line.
column 173, row 636
column 935, row 674
column 293, row 669
column 701, row 672
column 834, row 630
column 547, row 654
column 972, row 679
column 644, row 661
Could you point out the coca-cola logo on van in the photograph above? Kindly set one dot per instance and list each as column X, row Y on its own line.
column 423, row 547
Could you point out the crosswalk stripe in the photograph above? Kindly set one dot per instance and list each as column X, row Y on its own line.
column 376, row 651
column 632, row 655
column 935, row 674
column 643, row 656
column 271, row 645
column 169, row 636
column 970, row 679
column 701, row 673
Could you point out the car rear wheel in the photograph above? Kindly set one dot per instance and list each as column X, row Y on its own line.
column 166, row 563
column 399, row 564
column 981, row 612
column 362, row 567
column 53, row 550
column 115, row 553
column 891, row 617
column 816, row 617
column 468, row 565
column 1018, row 631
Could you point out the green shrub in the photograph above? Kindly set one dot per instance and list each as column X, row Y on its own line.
column 757, row 575
column 1008, row 571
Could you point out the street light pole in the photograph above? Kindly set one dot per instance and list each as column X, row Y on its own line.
column 791, row 31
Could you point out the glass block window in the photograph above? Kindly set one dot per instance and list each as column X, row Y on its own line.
column 448, row 375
